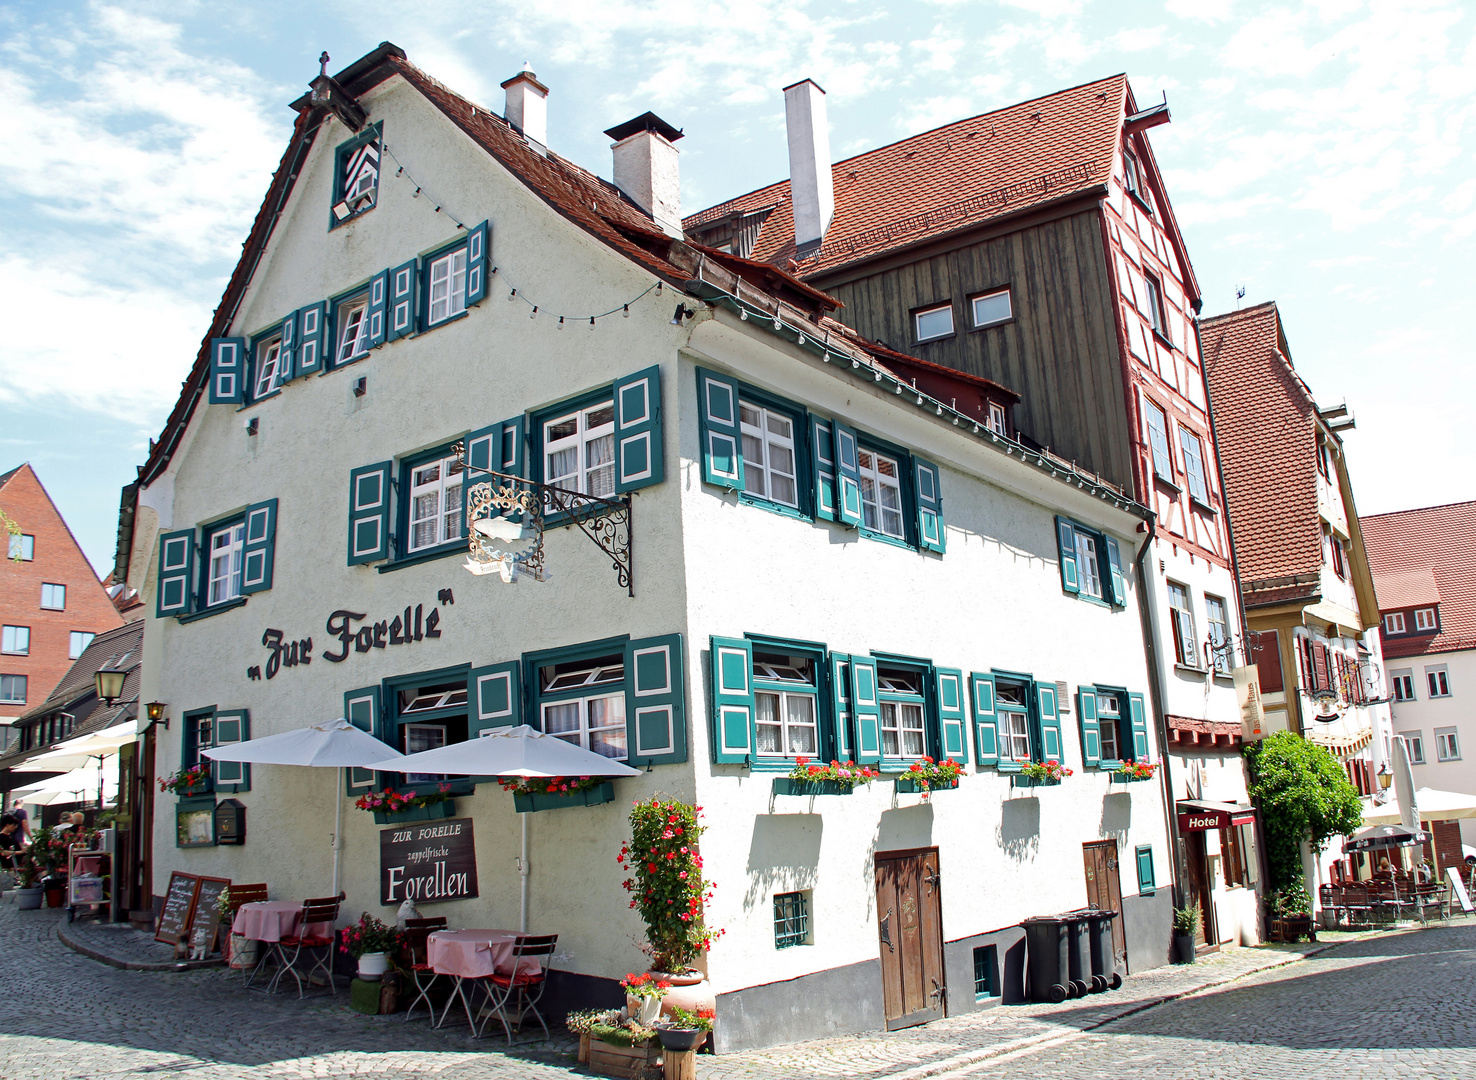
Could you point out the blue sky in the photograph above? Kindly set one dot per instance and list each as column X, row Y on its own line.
column 1320, row 156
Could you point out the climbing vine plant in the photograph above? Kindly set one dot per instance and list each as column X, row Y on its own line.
column 1304, row 796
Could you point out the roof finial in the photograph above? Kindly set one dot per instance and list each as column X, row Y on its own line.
column 323, row 62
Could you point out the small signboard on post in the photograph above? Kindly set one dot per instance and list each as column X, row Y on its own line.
column 1459, row 888
column 427, row 862
column 205, row 916
column 178, row 909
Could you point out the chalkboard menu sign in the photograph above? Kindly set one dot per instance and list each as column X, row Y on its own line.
column 206, row 917
column 427, row 862
column 179, row 908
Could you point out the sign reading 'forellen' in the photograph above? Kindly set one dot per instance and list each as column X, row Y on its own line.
column 427, row 862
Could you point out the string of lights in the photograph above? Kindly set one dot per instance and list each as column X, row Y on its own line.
column 496, row 272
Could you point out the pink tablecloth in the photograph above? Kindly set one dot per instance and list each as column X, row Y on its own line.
column 474, row 954
column 273, row 920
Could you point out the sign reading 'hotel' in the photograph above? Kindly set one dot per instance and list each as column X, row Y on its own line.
column 427, row 862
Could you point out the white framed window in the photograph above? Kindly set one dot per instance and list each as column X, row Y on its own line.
column 1089, row 573
column 1403, row 685
column 268, row 367
column 1156, row 309
column 902, row 731
column 1132, row 175
column 1217, row 615
column 1339, row 557
column 881, row 493
column 1193, row 451
column 353, row 333
column 1394, row 622
column 1109, row 719
column 15, row 640
column 1424, row 619
column 418, row 738
column 1437, row 681
column 768, row 454
column 78, row 642
column 579, row 450
column 787, row 718
column 447, row 288
column 594, row 721
column 1185, row 641
column 435, row 503
column 991, row 309
column 227, row 547
column 53, row 596
column 22, row 547
column 1014, row 722
column 934, row 322
column 997, row 421
column 1158, row 441
column 1414, row 743
column 1447, row 744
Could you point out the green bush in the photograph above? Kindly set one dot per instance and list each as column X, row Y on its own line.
column 1303, row 795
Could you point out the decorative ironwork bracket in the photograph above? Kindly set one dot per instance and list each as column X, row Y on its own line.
column 607, row 522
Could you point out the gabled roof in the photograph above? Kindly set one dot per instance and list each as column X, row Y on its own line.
column 120, row 649
column 5, row 476
column 1406, row 589
column 1267, row 433
column 1439, row 541
column 953, row 178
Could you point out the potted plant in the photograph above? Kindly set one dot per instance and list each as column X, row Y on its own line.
column 1042, row 773
column 370, row 941
column 686, row 1030
column 533, row 793
column 926, row 775
column 643, row 994
column 581, row 1021
column 390, row 806
column 837, row 778
column 28, row 871
column 1131, row 771
column 1291, row 915
column 1186, row 930
column 620, row 1046
column 48, row 852
column 186, row 782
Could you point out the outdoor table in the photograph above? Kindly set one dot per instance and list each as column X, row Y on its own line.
column 273, row 920
column 472, row 954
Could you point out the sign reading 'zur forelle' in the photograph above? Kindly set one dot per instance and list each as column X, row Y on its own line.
column 414, row 625
column 427, row 862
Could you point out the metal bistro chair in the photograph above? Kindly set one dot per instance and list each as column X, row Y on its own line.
column 422, row 975
column 318, row 949
column 520, row 987
column 235, row 897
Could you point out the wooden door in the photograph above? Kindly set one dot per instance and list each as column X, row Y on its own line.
column 909, row 910
column 1199, row 886
column 1104, row 889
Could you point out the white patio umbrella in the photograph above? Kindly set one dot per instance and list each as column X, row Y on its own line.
column 1434, row 804
column 83, row 750
column 516, row 751
column 74, row 782
column 329, row 744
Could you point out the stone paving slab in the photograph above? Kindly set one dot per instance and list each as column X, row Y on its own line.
column 124, row 946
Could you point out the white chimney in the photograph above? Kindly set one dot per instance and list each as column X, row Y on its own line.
column 646, row 168
column 527, row 108
column 810, row 185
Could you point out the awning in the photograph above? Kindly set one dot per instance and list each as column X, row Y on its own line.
column 1198, row 815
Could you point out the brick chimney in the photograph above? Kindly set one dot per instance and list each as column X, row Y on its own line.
column 527, row 108
column 646, row 168
column 810, row 185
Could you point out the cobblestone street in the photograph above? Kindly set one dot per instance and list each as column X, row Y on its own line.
column 1394, row 1004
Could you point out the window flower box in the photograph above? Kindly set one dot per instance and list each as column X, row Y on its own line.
column 1128, row 778
column 1131, row 771
column 595, row 796
column 788, row 785
column 906, row 785
column 434, row 812
column 1026, row 780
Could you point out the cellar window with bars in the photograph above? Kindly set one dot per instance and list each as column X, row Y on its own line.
column 791, row 919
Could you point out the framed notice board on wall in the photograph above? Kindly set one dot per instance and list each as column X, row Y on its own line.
column 178, row 909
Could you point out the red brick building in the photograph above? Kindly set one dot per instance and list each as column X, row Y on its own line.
column 51, row 602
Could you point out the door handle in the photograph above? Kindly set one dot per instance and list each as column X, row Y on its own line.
column 939, row 992
column 886, row 931
column 932, row 881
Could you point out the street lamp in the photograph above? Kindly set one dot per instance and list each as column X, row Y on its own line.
column 1385, row 777
column 110, row 685
column 155, row 712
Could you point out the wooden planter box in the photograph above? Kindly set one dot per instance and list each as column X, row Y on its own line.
column 595, row 796
column 1289, row 930
column 785, row 785
column 632, row 1062
column 1019, row 780
column 433, row 812
column 908, row 786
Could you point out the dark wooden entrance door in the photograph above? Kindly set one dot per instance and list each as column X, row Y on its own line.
column 1199, row 886
column 1104, row 889
column 909, row 909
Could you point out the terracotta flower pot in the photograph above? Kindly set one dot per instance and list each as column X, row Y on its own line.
column 690, row 990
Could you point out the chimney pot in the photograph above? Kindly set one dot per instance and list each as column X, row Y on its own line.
column 646, row 168
column 810, row 186
column 527, row 108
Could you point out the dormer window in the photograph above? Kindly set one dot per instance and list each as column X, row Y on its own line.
column 1133, row 179
column 1394, row 622
column 933, row 323
column 997, row 422
column 1425, row 620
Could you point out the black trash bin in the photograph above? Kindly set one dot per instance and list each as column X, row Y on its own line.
column 1078, row 951
column 1099, row 945
column 1047, row 961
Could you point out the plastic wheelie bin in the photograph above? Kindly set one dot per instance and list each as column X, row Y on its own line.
column 1078, row 951
column 1099, row 945
column 1048, row 964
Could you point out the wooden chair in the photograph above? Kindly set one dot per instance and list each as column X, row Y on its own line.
column 311, row 940
column 236, row 895
column 519, row 986
column 422, row 975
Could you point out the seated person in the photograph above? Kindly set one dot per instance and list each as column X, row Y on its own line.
column 10, row 841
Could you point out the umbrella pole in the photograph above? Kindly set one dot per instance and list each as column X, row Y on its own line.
column 523, row 880
column 337, row 827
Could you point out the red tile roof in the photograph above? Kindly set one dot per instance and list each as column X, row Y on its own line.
column 1406, row 589
column 1440, row 540
column 1265, row 421
column 953, row 177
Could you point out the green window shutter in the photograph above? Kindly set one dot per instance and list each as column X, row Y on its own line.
column 848, row 474
column 478, row 240
column 401, row 322
column 867, row 710
column 378, row 308
column 176, row 588
column 288, row 349
column 227, row 370
column 1066, row 548
column 929, row 505
column 232, row 727
column 362, row 709
column 1146, row 882
column 1050, row 723
column 732, row 700
column 951, row 714
column 722, row 448
column 1140, row 727
column 495, row 697
column 840, row 700
column 369, row 508
column 498, row 448
column 1091, row 733
column 655, row 713
column 986, row 723
column 314, row 341
column 638, row 452
column 1119, row 584
column 259, row 548
column 823, row 439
